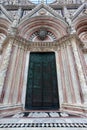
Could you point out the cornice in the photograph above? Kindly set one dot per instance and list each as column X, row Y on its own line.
column 60, row 6
column 31, row 6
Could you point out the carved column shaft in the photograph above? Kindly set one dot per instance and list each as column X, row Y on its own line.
column 4, row 65
column 80, row 71
column 25, row 79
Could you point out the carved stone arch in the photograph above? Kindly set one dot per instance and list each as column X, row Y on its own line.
column 81, row 27
column 4, row 26
column 57, row 27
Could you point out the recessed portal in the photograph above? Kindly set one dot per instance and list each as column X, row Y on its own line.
column 42, row 90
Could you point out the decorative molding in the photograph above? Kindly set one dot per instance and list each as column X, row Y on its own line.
column 12, row 106
column 43, row 125
column 78, row 108
column 28, row 45
column 6, row 110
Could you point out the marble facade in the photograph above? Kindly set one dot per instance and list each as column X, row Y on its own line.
column 66, row 37
column 69, row 70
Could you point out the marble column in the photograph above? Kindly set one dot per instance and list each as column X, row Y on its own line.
column 80, row 71
column 11, row 70
column 60, row 90
column 4, row 65
column 25, row 79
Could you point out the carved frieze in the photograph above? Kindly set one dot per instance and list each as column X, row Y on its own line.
column 56, row 45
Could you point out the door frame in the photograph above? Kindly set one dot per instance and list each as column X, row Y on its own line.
column 26, row 74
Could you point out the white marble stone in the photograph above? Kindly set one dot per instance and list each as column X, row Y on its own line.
column 54, row 114
column 64, row 114
column 43, row 120
column 19, row 115
column 40, row 114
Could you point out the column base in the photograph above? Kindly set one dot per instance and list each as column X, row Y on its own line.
column 10, row 109
column 78, row 108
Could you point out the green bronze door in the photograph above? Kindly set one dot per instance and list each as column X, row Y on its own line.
column 42, row 91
